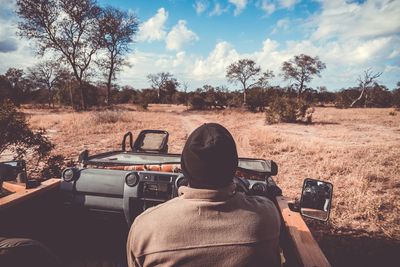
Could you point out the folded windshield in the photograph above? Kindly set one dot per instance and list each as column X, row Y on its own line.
column 127, row 158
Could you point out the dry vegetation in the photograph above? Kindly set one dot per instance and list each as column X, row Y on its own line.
column 355, row 149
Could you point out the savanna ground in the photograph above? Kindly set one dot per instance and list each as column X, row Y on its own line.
column 358, row 150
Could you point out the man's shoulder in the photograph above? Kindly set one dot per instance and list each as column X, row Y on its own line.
column 257, row 202
column 262, row 207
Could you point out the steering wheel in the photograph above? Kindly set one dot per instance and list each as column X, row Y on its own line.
column 242, row 185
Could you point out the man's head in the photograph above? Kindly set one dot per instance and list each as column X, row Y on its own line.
column 209, row 158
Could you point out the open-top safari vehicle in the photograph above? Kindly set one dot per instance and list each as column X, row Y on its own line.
column 84, row 217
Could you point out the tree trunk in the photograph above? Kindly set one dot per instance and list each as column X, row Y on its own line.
column 71, row 95
column 301, row 88
column 244, row 97
column 49, row 97
column 108, row 100
column 358, row 99
column 83, row 96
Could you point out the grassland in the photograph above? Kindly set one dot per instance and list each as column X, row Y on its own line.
column 358, row 150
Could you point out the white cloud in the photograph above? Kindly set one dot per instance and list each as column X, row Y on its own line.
column 214, row 66
column 395, row 53
column 372, row 18
column 180, row 35
column 200, row 6
column 345, row 61
column 154, row 28
column 14, row 52
column 239, row 6
column 268, row 6
column 288, row 3
column 218, row 10
column 282, row 24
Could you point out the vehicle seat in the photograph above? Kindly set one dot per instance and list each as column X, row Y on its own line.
column 21, row 252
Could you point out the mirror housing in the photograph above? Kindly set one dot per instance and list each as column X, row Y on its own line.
column 316, row 199
column 13, row 171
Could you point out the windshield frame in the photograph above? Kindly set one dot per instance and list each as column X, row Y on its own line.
column 101, row 160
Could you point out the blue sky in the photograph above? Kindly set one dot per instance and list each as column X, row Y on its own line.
column 197, row 40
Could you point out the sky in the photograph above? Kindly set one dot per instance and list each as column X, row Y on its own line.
column 197, row 40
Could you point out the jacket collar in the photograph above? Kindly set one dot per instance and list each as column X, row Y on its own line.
column 220, row 194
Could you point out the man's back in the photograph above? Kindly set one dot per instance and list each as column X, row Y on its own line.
column 205, row 227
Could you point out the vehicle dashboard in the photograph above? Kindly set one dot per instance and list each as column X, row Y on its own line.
column 129, row 183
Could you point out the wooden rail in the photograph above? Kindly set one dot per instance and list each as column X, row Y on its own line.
column 19, row 193
column 307, row 250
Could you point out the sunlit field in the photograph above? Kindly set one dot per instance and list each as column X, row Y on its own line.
column 357, row 150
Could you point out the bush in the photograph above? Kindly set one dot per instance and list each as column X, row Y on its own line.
column 147, row 96
column 108, row 116
column 16, row 137
column 256, row 99
column 286, row 109
column 197, row 102
column 53, row 168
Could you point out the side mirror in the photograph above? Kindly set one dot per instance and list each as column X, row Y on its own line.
column 13, row 171
column 316, row 199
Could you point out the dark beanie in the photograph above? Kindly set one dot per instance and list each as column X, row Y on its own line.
column 209, row 158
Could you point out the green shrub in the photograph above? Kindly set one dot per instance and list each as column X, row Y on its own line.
column 286, row 109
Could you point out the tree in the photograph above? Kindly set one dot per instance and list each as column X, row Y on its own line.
column 396, row 96
column 256, row 99
column 117, row 29
column 16, row 136
column 247, row 73
column 161, row 81
column 6, row 90
column 70, row 28
column 364, row 83
column 67, row 85
column 302, row 68
column 47, row 74
column 15, row 78
column 147, row 96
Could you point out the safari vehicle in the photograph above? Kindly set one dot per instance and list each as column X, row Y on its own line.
column 84, row 217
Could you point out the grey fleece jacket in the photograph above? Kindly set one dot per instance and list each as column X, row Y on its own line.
column 205, row 227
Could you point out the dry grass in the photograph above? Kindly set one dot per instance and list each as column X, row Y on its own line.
column 358, row 150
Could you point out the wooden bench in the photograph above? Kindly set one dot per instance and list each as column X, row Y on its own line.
column 306, row 249
column 19, row 193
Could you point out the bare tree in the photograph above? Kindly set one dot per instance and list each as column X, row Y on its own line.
column 159, row 81
column 365, row 82
column 302, row 68
column 247, row 73
column 117, row 29
column 70, row 28
column 46, row 74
